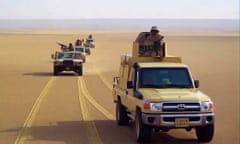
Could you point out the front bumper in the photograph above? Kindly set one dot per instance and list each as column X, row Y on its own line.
column 169, row 120
column 68, row 68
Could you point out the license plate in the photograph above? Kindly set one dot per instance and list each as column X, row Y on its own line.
column 67, row 68
column 181, row 122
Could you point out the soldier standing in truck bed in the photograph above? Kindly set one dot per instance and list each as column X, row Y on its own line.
column 158, row 43
column 70, row 47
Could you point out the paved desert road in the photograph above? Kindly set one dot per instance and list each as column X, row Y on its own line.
column 38, row 108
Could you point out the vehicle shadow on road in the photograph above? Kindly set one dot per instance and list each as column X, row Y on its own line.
column 47, row 74
column 126, row 134
column 75, row 132
column 43, row 74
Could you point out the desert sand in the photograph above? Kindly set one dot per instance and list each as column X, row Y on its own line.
column 36, row 107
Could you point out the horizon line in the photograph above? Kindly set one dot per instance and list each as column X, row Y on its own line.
column 119, row 18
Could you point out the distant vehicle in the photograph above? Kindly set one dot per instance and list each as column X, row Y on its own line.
column 89, row 43
column 84, row 50
column 68, row 61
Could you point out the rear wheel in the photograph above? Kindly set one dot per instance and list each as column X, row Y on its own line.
column 143, row 132
column 80, row 71
column 205, row 133
column 121, row 114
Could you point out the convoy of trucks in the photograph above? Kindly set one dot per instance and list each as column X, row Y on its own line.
column 72, row 57
column 154, row 90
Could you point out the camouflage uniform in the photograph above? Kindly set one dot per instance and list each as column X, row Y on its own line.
column 157, row 40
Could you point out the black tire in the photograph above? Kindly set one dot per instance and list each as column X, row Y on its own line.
column 121, row 114
column 80, row 71
column 143, row 132
column 55, row 71
column 205, row 133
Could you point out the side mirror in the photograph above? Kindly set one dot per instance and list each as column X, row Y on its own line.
column 138, row 95
column 196, row 83
column 115, row 80
column 129, row 84
column 52, row 56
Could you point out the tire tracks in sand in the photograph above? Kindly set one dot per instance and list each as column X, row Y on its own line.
column 26, row 128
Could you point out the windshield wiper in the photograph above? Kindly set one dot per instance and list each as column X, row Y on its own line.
column 166, row 86
column 175, row 86
column 150, row 86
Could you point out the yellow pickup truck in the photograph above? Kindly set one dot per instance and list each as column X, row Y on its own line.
column 158, row 92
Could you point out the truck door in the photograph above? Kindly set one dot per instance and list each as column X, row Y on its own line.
column 130, row 94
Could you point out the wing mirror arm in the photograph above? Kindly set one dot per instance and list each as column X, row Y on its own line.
column 115, row 81
column 196, row 83
column 129, row 84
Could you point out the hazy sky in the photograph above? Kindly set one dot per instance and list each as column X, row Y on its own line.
column 70, row 9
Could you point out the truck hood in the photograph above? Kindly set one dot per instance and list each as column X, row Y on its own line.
column 151, row 94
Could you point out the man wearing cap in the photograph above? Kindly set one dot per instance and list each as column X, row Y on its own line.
column 157, row 40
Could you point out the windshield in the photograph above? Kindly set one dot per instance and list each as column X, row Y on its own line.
column 89, row 40
column 69, row 55
column 165, row 78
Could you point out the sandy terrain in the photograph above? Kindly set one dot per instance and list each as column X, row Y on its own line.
column 36, row 107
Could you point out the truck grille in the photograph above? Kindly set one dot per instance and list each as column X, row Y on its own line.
column 181, row 107
column 67, row 62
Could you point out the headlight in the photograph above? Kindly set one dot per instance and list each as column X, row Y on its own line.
column 153, row 106
column 58, row 62
column 207, row 106
column 156, row 106
column 77, row 62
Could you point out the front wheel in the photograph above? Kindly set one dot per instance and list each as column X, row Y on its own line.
column 205, row 133
column 143, row 132
column 80, row 71
column 121, row 114
column 55, row 71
